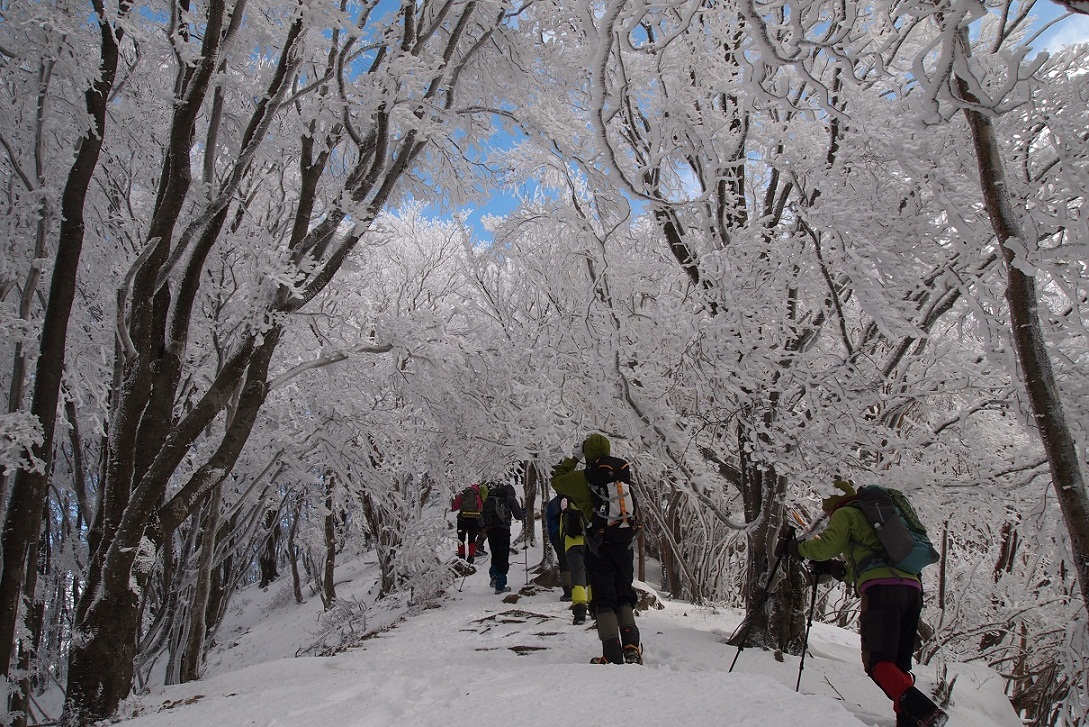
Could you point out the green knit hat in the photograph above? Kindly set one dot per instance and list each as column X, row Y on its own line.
column 833, row 501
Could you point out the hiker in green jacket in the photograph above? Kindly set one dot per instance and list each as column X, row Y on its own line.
column 610, row 562
column 892, row 601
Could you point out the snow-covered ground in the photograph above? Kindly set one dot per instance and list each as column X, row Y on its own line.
column 485, row 660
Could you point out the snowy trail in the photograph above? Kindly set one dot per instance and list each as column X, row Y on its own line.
column 487, row 660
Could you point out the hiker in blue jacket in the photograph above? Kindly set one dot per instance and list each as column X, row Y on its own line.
column 892, row 602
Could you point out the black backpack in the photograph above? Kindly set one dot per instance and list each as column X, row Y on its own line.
column 898, row 527
column 572, row 520
column 496, row 512
column 611, row 493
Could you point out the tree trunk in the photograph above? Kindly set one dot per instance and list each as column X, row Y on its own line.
column 30, row 488
column 328, row 585
column 1048, row 414
column 100, row 668
column 267, row 559
column 775, row 609
column 671, row 534
column 531, row 487
column 293, row 553
column 193, row 656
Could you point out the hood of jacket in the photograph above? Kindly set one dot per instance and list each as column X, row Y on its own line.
column 595, row 447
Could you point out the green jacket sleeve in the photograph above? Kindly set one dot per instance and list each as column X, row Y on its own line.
column 571, row 483
column 833, row 540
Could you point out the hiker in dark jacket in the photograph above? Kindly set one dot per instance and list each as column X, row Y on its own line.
column 500, row 508
column 482, row 536
column 892, row 602
column 555, row 539
column 610, row 564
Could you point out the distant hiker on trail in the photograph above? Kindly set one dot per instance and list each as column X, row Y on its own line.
column 468, row 504
column 482, row 536
column 500, row 507
column 892, row 602
column 573, row 535
column 555, row 539
column 603, row 493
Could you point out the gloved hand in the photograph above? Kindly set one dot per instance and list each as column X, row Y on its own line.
column 565, row 465
column 786, row 545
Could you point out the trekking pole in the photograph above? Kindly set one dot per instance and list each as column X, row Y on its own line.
column 808, row 626
column 759, row 605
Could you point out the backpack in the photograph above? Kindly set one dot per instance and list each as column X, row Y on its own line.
column 496, row 512
column 611, row 493
column 571, row 517
column 907, row 545
column 469, row 503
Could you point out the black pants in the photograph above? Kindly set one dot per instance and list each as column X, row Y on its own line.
column 468, row 528
column 499, row 542
column 611, row 570
column 888, row 623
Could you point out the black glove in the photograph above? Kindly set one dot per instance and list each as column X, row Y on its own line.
column 786, row 544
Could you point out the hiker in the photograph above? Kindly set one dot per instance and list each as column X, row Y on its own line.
column 892, row 601
column 555, row 539
column 573, row 535
column 468, row 504
column 500, row 508
column 610, row 559
column 482, row 536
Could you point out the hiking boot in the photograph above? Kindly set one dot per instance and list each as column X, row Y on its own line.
column 491, row 582
column 917, row 706
column 633, row 654
column 599, row 660
column 502, row 589
column 937, row 719
column 611, row 652
column 580, row 614
column 470, row 559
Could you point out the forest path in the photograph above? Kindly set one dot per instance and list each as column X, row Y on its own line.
column 474, row 658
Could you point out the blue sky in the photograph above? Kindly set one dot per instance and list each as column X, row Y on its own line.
column 1068, row 32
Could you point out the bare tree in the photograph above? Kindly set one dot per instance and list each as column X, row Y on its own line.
column 1037, row 374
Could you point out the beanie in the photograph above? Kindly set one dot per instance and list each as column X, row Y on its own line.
column 833, row 501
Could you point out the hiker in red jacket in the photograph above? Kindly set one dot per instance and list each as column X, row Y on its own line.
column 468, row 505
